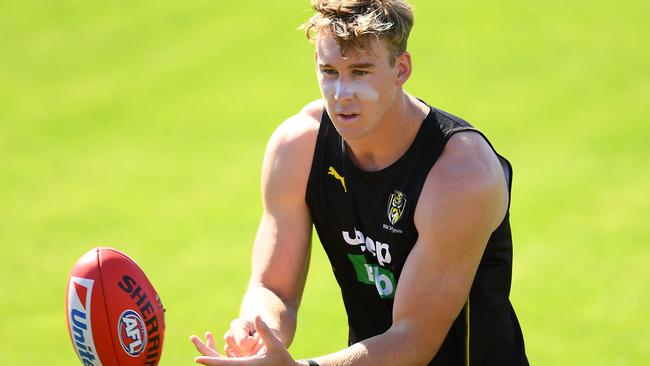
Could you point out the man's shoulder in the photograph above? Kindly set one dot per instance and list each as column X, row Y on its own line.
column 313, row 110
column 467, row 170
column 467, row 160
column 291, row 147
column 289, row 155
column 301, row 128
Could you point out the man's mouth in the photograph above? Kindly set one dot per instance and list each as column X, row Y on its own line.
column 347, row 117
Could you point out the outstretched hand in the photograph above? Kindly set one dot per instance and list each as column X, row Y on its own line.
column 241, row 339
column 273, row 351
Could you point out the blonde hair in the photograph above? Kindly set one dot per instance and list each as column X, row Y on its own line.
column 354, row 23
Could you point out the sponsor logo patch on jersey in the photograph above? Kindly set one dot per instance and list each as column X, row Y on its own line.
column 396, row 204
column 132, row 333
column 375, row 247
column 338, row 177
column 372, row 274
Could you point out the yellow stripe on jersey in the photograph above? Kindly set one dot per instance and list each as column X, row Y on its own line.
column 467, row 332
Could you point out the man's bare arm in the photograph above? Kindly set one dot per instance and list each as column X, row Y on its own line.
column 281, row 251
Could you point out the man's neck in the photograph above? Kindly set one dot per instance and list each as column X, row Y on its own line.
column 392, row 138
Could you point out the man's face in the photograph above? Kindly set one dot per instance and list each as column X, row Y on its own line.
column 360, row 88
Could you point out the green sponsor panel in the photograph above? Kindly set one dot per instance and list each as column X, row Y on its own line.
column 384, row 281
column 373, row 274
column 362, row 269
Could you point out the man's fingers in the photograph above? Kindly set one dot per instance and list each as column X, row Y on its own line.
column 241, row 329
column 259, row 347
column 210, row 361
column 231, row 352
column 210, row 340
column 243, row 347
column 217, row 361
column 266, row 334
column 203, row 348
column 259, row 350
column 231, row 345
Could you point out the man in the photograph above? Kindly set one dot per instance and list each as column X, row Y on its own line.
column 409, row 202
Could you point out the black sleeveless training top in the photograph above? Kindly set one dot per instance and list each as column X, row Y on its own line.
column 365, row 223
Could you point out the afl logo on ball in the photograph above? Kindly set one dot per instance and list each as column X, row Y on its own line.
column 132, row 333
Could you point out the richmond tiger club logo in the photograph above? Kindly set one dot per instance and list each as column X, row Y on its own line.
column 132, row 333
column 396, row 204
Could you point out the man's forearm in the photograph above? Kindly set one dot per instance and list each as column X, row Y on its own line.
column 394, row 347
column 279, row 314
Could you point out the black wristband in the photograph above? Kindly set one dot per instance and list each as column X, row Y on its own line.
column 312, row 363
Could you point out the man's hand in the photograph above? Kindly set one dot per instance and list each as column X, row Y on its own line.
column 241, row 340
column 273, row 352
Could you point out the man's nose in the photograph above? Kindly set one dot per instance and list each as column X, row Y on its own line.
column 343, row 92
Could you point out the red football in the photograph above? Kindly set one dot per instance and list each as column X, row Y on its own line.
column 115, row 317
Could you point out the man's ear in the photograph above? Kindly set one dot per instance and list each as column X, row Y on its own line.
column 404, row 66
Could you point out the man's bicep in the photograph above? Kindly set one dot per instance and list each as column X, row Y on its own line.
column 282, row 245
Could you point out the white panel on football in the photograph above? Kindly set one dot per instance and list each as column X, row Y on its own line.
column 79, row 295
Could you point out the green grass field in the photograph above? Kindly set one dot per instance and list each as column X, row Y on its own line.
column 142, row 126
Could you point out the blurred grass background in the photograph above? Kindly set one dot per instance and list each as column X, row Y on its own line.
column 142, row 125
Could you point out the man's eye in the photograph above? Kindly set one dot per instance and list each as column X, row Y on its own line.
column 359, row 72
column 328, row 71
